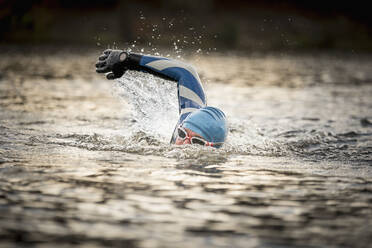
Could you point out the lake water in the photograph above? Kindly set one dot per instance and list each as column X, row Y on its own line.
column 87, row 162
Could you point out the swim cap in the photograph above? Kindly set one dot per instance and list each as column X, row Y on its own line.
column 209, row 122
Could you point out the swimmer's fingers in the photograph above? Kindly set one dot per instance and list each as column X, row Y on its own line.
column 102, row 70
column 107, row 51
column 102, row 57
column 116, row 73
column 100, row 64
column 110, row 76
column 101, row 67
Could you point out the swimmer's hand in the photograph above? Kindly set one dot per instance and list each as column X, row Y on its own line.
column 112, row 62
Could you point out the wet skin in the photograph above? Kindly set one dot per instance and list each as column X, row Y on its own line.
column 190, row 134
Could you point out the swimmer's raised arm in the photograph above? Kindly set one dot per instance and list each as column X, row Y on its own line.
column 116, row 62
column 191, row 94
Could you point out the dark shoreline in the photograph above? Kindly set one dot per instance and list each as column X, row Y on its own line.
column 255, row 26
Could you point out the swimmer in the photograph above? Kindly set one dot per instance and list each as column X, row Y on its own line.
column 198, row 123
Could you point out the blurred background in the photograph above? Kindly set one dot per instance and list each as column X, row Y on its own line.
column 193, row 24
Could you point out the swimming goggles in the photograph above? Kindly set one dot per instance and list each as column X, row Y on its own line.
column 182, row 134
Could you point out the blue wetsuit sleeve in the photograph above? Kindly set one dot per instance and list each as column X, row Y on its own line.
column 191, row 94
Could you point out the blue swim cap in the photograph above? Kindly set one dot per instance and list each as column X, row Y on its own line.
column 209, row 122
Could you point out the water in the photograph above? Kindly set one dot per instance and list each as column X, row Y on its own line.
column 84, row 162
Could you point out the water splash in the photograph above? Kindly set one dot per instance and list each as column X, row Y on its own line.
column 153, row 101
column 154, row 113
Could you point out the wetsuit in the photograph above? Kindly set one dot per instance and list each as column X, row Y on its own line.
column 189, row 88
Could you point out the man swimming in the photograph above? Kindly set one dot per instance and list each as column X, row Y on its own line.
column 198, row 124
